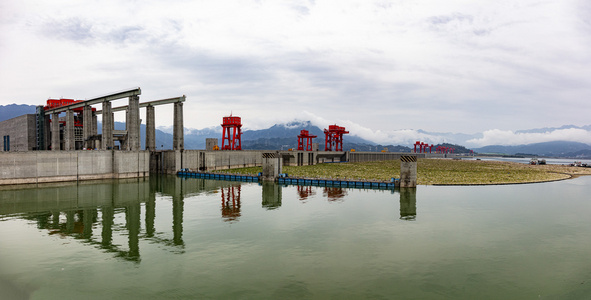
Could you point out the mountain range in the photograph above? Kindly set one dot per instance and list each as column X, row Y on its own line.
column 284, row 136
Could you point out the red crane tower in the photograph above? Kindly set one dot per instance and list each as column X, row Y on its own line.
column 231, row 133
column 304, row 134
column 334, row 137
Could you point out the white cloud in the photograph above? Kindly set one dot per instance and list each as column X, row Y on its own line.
column 438, row 66
column 394, row 137
column 507, row 137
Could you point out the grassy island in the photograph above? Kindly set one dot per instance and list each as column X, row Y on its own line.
column 436, row 171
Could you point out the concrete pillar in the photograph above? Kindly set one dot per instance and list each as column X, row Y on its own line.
column 94, row 124
column 315, row 146
column 69, row 141
column 46, row 130
column 272, row 166
column 133, row 124
column 408, row 204
column 55, row 132
column 211, row 144
column 96, row 143
column 107, row 139
column 178, row 140
column 87, row 127
column 150, row 128
column 408, row 171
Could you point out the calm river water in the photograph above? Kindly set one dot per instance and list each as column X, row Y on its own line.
column 172, row 238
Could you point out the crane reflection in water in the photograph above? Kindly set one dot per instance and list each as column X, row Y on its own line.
column 108, row 215
column 231, row 203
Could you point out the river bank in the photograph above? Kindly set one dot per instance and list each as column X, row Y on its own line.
column 437, row 171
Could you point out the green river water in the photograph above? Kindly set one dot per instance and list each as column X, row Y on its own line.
column 172, row 238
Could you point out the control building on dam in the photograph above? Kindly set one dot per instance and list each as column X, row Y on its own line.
column 60, row 142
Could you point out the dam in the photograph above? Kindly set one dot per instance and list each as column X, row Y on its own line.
column 61, row 142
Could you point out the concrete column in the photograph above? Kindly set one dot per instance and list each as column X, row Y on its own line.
column 94, row 124
column 178, row 140
column 87, row 126
column 55, row 132
column 96, row 143
column 272, row 166
column 133, row 124
column 69, row 141
column 107, row 139
column 150, row 128
column 47, row 130
column 408, row 171
column 211, row 144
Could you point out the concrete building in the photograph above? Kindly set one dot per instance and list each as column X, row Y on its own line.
column 66, row 125
column 19, row 134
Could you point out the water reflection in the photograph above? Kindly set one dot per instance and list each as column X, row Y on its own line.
column 408, row 204
column 108, row 214
column 231, row 203
column 75, row 210
column 271, row 195
column 334, row 193
column 305, row 191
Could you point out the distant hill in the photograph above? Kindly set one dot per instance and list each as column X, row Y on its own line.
column 276, row 137
column 10, row 111
column 284, row 136
column 549, row 129
column 552, row 149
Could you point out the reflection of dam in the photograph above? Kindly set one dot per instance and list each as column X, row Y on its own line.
column 108, row 214
column 75, row 210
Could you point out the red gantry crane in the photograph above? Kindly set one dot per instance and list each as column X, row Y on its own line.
column 231, row 138
column 304, row 134
column 334, row 137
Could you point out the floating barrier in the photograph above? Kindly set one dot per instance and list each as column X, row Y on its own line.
column 286, row 180
column 218, row 176
column 340, row 183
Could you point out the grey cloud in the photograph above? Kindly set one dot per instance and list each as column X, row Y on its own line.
column 301, row 9
column 73, row 29
column 79, row 30
column 124, row 34
column 457, row 22
column 481, row 32
column 446, row 19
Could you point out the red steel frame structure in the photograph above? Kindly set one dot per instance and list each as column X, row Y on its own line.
column 53, row 103
column 231, row 133
column 334, row 137
column 304, row 134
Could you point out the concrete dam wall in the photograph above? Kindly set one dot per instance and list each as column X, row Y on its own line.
column 55, row 166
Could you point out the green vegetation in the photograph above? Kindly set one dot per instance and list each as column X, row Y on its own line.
column 435, row 171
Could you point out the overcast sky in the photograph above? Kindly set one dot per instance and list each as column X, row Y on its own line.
column 380, row 68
